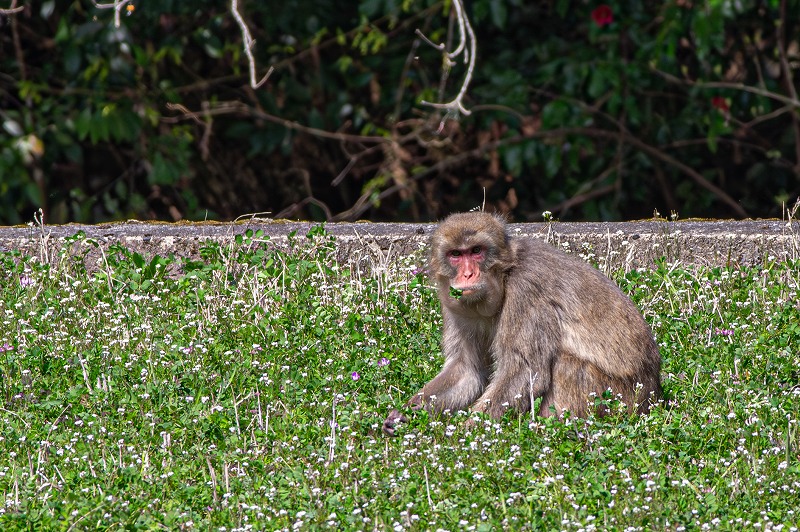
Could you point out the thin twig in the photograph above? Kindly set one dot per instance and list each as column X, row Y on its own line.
column 466, row 38
column 338, row 179
column 289, row 62
column 18, row 52
column 531, row 381
column 289, row 211
column 238, row 107
column 658, row 154
column 12, row 9
column 794, row 102
column 213, row 475
column 365, row 202
column 84, row 516
column 626, row 135
column 247, row 44
column 116, row 6
column 332, row 447
column 427, row 487
column 595, row 109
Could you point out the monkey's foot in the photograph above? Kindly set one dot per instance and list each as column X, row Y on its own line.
column 470, row 423
column 394, row 417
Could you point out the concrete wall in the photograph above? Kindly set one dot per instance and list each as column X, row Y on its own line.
column 613, row 246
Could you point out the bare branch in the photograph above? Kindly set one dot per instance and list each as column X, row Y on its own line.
column 228, row 108
column 116, row 6
column 366, row 201
column 658, row 154
column 12, row 8
column 248, row 43
column 794, row 102
column 466, row 39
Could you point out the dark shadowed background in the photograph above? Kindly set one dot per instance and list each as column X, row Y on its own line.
column 593, row 111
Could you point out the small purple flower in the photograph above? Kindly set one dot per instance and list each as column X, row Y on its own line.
column 25, row 281
column 6, row 347
column 383, row 362
column 355, row 375
column 723, row 332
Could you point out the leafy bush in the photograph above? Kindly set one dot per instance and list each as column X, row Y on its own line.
column 591, row 111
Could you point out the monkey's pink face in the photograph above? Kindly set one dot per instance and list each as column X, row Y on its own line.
column 467, row 263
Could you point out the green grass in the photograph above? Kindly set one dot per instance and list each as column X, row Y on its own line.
column 246, row 391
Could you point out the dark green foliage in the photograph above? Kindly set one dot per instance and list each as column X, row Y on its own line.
column 591, row 111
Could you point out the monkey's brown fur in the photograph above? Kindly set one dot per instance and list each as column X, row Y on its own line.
column 532, row 322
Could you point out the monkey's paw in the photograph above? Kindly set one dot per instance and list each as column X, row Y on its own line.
column 394, row 417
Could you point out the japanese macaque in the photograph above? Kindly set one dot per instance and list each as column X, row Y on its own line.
column 524, row 320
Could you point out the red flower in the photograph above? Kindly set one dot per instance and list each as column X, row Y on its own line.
column 720, row 103
column 602, row 15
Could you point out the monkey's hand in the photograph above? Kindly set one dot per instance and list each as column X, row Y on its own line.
column 394, row 417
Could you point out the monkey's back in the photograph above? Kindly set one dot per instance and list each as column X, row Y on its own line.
column 593, row 321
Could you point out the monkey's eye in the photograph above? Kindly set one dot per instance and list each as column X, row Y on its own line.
column 455, row 253
column 476, row 250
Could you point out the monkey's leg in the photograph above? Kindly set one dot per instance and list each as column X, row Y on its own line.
column 569, row 389
column 577, row 382
column 513, row 385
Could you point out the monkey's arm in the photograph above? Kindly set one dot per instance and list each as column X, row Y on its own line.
column 525, row 347
column 454, row 388
column 463, row 378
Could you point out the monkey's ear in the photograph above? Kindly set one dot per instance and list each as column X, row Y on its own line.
column 502, row 218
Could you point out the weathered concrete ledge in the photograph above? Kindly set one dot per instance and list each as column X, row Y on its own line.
column 613, row 245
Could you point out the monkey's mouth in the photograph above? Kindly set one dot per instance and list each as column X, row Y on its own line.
column 458, row 293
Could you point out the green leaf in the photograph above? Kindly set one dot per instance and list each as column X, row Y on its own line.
column 499, row 13
column 598, row 82
column 555, row 114
column 72, row 59
column 83, row 123
column 562, row 6
column 98, row 128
